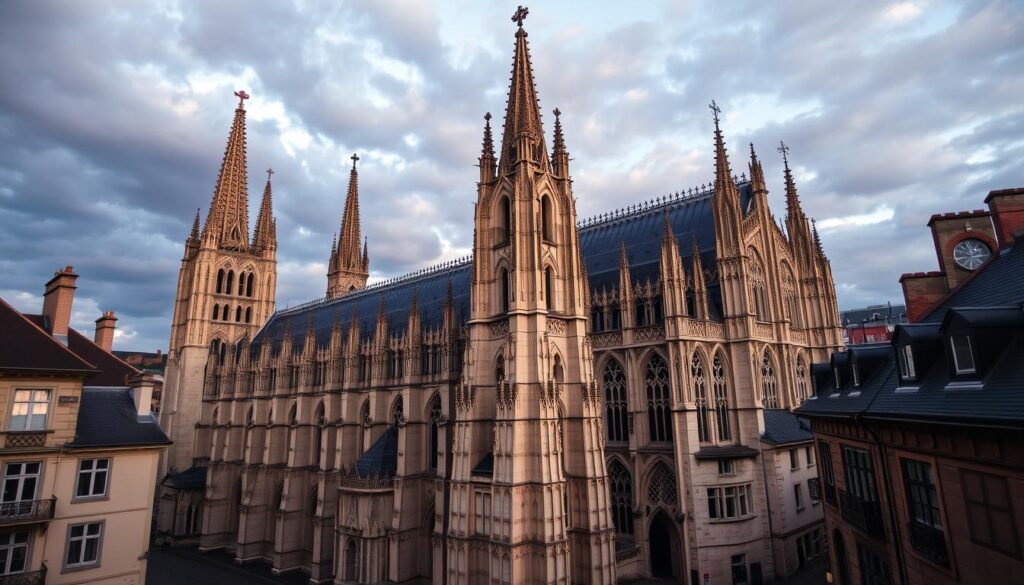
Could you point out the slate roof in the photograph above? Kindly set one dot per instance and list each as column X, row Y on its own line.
column 381, row 459
column 782, row 427
column 485, row 466
column 193, row 478
column 989, row 306
column 112, row 370
column 640, row 229
column 107, row 418
column 726, row 452
column 875, row 314
column 25, row 346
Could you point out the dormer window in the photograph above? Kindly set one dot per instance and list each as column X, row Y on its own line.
column 963, row 357
column 835, row 378
column 856, row 375
column 906, row 361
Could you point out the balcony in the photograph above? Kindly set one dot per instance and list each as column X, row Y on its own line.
column 929, row 541
column 31, row 578
column 26, row 512
column 865, row 515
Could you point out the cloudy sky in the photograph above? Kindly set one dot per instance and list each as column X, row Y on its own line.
column 114, row 115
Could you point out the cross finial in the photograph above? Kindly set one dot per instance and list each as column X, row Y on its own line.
column 242, row 96
column 715, row 111
column 785, row 152
column 355, row 159
column 487, row 116
column 557, row 112
column 520, row 15
column 269, row 172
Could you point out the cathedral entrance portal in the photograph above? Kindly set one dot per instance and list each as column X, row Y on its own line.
column 662, row 540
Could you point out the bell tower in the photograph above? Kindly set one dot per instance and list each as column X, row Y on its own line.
column 226, row 288
column 529, row 495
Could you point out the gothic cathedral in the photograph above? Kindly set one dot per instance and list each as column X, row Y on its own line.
column 580, row 401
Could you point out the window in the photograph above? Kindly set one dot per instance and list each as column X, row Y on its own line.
column 798, row 496
column 874, row 569
column 836, row 380
column 803, row 385
column 616, row 409
column 794, row 459
column 20, row 482
column 30, row 410
column 504, row 291
column 220, row 281
column 963, row 358
column 926, row 534
column 809, row 455
column 662, row 486
column 827, row 473
column 622, row 497
column 990, row 514
column 769, row 387
column 739, row 570
column 545, row 217
column 482, row 513
column 721, row 397
column 906, row 361
column 248, row 285
column 13, row 552
column 92, row 478
column 700, row 398
column 725, row 467
column 730, row 502
column 83, row 545
column 506, row 220
column 549, row 289
column 216, row 312
column 435, row 431
column 814, row 490
column 860, row 474
column 659, row 412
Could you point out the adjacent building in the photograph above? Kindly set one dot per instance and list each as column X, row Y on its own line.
column 78, row 450
column 578, row 402
column 872, row 324
column 920, row 441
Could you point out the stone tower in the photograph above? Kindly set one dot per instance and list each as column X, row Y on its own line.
column 348, row 269
column 529, row 493
column 226, row 288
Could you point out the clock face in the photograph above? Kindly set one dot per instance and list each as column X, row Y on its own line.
column 971, row 253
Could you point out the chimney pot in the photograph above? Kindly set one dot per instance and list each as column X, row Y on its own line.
column 57, row 300
column 105, row 327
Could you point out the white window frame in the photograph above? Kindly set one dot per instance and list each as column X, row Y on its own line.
column 798, row 496
column 90, row 476
column 741, row 496
column 906, row 361
column 966, row 369
column 84, row 538
column 32, row 406
column 794, row 459
column 8, row 543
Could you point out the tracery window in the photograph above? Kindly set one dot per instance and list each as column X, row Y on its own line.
column 249, row 284
column 545, row 217
column 721, row 389
column 769, row 386
column 318, row 438
column 398, row 411
column 616, row 407
column 504, row 290
column 622, row 497
column 220, row 281
column 661, row 488
column 659, row 408
column 803, row 386
column 230, row 282
column 435, row 430
column 700, row 397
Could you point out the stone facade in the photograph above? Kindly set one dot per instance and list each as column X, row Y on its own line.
column 556, row 409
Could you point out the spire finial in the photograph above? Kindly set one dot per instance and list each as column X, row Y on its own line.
column 270, row 171
column 715, row 111
column 355, row 159
column 785, row 154
column 242, row 96
column 520, row 15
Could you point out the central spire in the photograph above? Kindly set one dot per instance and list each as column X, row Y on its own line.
column 228, row 220
column 523, row 135
column 348, row 269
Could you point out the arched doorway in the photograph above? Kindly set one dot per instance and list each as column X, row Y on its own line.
column 662, row 539
column 842, row 565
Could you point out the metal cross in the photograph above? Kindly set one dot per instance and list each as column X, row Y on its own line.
column 520, row 15
column 785, row 152
column 242, row 96
column 557, row 112
column 269, row 172
column 487, row 116
column 355, row 159
column 715, row 110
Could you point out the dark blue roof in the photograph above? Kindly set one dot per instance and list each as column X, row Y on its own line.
column 107, row 417
column 193, row 478
column 485, row 466
column 381, row 459
column 875, row 314
column 782, row 427
column 999, row 283
column 640, row 229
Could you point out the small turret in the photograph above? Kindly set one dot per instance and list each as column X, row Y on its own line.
column 559, row 155
column 488, row 163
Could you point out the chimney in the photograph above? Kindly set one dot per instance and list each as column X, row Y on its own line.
column 1007, row 208
column 60, row 292
column 141, row 385
column 105, row 327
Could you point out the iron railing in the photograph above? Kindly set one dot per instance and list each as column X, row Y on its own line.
column 30, row 578
column 27, row 512
column 929, row 541
column 863, row 514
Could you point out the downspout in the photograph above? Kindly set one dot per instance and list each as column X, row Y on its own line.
column 859, row 419
column 768, row 504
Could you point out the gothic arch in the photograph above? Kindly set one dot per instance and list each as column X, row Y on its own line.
column 397, row 410
column 802, row 384
column 548, row 213
column 658, row 391
column 769, row 377
column 616, row 400
column 433, row 415
column 702, row 397
column 620, row 482
column 661, row 488
column 499, row 366
column 220, row 281
column 229, row 284
column 721, row 393
column 319, row 426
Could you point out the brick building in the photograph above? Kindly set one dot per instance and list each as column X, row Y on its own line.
column 872, row 324
column 921, row 441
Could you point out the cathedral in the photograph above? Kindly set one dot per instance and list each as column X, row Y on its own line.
column 580, row 401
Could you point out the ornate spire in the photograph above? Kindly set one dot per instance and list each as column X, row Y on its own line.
column 559, row 156
column 366, row 256
column 487, row 159
column 727, row 202
column 348, row 269
column 756, row 173
column 723, row 174
column 559, row 139
column 817, row 238
column 194, row 235
column 669, row 233
column 793, row 207
column 522, row 137
column 227, row 223
column 265, row 236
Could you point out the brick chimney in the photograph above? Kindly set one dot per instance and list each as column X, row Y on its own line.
column 60, row 293
column 1007, row 208
column 105, row 327
column 141, row 385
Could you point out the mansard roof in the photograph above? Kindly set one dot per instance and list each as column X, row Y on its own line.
column 108, row 417
column 639, row 227
column 990, row 308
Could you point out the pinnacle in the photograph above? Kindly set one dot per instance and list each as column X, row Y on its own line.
column 559, row 146
column 228, row 219
column 194, row 236
column 522, row 114
column 350, row 233
column 265, row 235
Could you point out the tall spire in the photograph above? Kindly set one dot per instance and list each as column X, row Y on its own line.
column 487, row 159
column 265, row 236
column 523, row 136
column 227, row 223
column 756, row 173
column 194, row 235
column 793, row 208
column 727, row 202
column 559, row 155
column 723, row 174
column 348, row 240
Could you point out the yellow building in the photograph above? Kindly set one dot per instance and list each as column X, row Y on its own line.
column 79, row 450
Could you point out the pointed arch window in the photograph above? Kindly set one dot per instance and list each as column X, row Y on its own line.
column 614, row 316
column 230, row 282
column 248, row 315
column 661, row 488
column 499, row 369
column 318, row 438
column 622, row 497
column 398, row 411
column 769, row 385
column 364, row 423
column 597, row 319
column 719, row 383
column 226, row 313
column 504, row 290
column 803, row 383
column 216, row 312
column 220, row 281
column 700, row 398
column 435, row 431
column 506, row 220
column 241, row 283
column 549, row 289
column 293, row 423
column 616, row 407
column 246, row 435
column 545, row 217
column 659, row 407
column 249, row 284
column 238, row 314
